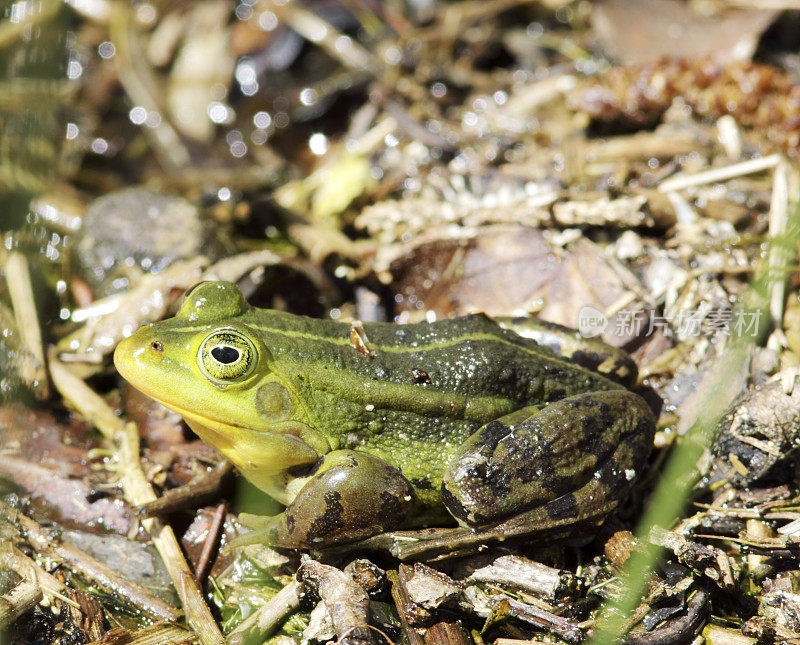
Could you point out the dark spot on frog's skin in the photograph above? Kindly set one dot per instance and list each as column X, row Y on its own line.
column 611, row 476
column 587, row 358
column 392, row 510
column 563, row 508
column 493, row 432
column 484, row 483
column 505, row 375
column 420, row 376
column 643, row 431
column 290, row 523
column 452, row 504
column 422, row 483
column 331, row 520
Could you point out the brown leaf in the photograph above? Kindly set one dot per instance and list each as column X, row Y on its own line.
column 643, row 31
column 510, row 270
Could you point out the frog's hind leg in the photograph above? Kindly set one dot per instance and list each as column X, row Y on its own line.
column 351, row 495
column 591, row 353
column 573, row 459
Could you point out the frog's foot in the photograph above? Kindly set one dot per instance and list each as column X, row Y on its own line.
column 564, row 463
column 351, row 496
column 262, row 530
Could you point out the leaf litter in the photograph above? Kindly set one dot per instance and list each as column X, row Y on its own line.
column 398, row 161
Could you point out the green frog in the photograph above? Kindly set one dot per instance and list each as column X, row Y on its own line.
column 506, row 427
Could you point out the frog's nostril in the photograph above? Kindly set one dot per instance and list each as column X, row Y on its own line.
column 156, row 346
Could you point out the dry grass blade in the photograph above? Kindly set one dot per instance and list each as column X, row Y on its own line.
column 158, row 634
column 83, row 398
column 87, row 566
column 141, row 86
column 779, row 257
column 680, row 182
column 16, row 602
column 13, row 559
column 267, row 618
column 20, row 289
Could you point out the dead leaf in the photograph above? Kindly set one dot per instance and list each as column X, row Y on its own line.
column 636, row 32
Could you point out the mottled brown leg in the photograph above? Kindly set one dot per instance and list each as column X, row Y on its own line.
column 595, row 443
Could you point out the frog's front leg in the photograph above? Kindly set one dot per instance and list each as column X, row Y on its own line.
column 350, row 495
column 572, row 455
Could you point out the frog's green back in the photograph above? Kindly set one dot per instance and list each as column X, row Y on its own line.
column 414, row 392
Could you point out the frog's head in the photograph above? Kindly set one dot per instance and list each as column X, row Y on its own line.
column 207, row 364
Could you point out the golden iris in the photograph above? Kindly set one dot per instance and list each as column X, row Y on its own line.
column 226, row 355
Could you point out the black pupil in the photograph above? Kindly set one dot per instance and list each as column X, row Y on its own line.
column 225, row 354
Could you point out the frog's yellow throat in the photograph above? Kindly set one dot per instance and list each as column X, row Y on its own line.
column 250, row 423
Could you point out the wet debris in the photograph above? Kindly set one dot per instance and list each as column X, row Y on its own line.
column 562, row 279
column 368, row 575
column 87, row 566
column 343, row 610
column 202, row 487
column 683, row 628
column 49, row 462
column 75, row 503
column 134, row 231
column 425, row 590
column 23, row 597
column 533, row 615
column 706, row 561
column 517, row 572
column 757, row 96
column 267, row 618
column 759, row 437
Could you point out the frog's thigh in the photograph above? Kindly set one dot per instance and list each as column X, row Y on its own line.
column 540, row 454
column 352, row 495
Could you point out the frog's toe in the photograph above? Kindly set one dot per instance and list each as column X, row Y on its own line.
column 262, row 531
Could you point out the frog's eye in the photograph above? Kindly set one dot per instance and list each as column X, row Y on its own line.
column 227, row 355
